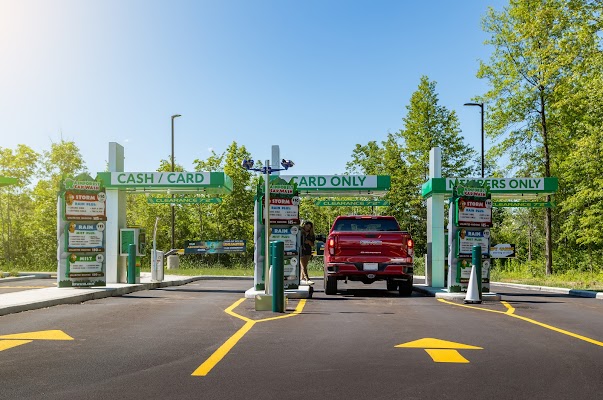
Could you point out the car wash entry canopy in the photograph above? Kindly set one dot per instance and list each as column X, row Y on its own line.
column 174, row 182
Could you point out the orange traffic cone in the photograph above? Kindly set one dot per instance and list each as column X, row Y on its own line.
column 472, row 296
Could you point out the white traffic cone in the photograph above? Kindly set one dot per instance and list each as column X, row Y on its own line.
column 472, row 296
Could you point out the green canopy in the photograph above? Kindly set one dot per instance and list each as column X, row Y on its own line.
column 5, row 181
column 171, row 182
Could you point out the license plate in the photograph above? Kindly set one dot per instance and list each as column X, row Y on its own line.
column 371, row 266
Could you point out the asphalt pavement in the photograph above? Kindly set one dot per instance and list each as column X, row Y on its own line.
column 17, row 295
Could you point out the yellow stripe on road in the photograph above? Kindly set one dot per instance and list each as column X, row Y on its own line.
column 219, row 354
column 446, row 356
column 9, row 344
column 511, row 313
column 223, row 350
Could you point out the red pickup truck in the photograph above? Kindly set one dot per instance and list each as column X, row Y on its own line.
column 368, row 249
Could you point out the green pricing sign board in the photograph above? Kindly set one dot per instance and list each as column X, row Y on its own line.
column 183, row 200
column 470, row 212
column 352, row 203
column 81, row 232
column 90, row 267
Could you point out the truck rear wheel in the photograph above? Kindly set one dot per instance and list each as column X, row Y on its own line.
column 330, row 284
column 405, row 289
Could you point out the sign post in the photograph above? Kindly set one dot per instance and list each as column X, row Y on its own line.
column 469, row 223
column 81, row 229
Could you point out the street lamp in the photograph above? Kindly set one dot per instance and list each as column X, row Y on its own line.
column 173, row 211
column 267, row 170
column 480, row 105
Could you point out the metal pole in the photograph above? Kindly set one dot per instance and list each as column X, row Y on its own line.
column 278, row 276
column 482, row 107
column 476, row 260
column 172, row 205
column 267, row 225
column 132, row 263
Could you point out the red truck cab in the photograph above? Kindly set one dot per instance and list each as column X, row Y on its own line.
column 368, row 249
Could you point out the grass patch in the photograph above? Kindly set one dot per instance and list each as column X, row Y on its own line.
column 569, row 279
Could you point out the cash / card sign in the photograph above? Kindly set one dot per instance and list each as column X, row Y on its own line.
column 284, row 210
column 85, row 237
column 474, row 213
column 467, row 238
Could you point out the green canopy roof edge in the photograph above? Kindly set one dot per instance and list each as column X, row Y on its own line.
column 504, row 187
column 219, row 182
column 5, row 181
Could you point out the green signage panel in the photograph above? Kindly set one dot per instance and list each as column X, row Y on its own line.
column 531, row 204
column 183, row 200
column 497, row 186
column 350, row 203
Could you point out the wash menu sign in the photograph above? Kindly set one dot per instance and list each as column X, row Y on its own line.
column 81, row 233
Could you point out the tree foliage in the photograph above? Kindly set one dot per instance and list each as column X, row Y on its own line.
column 541, row 55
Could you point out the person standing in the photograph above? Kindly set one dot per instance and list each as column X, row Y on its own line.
column 307, row 241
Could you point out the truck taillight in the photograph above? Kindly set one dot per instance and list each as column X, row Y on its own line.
column 409, row 246
column 331, row 246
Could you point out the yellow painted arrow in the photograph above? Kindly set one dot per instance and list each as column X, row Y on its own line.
column 39, row 335
column 17, row 339
column 442, row 351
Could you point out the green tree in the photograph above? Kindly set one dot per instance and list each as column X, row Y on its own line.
column 16, row 203
column 62, row 160
column 536, row 46
column 404, row 156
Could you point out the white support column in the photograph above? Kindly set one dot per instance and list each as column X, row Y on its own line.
column 276, row 158
column 434, row 270
column 116, row 219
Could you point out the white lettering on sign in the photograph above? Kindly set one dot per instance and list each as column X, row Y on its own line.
column 500, row 184
column 159, row 178
column 333, row 181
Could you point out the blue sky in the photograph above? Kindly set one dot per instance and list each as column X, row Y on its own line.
column 315, row 77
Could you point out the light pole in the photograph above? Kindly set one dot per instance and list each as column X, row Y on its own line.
column 267, row 170
column 480, row 105
column 173, row 211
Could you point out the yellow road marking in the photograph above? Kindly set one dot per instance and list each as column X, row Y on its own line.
column 437, row 344
column 441, row 351
column 446, row 356
column 9, row 344
column 221, row 352
column 510, row 312
column 39, row 335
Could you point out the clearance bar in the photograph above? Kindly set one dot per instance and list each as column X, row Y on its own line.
column 352, row 203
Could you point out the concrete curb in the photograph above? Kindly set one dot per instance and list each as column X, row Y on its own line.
column 48, row 297
column 17, row 278
column 438, row 292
